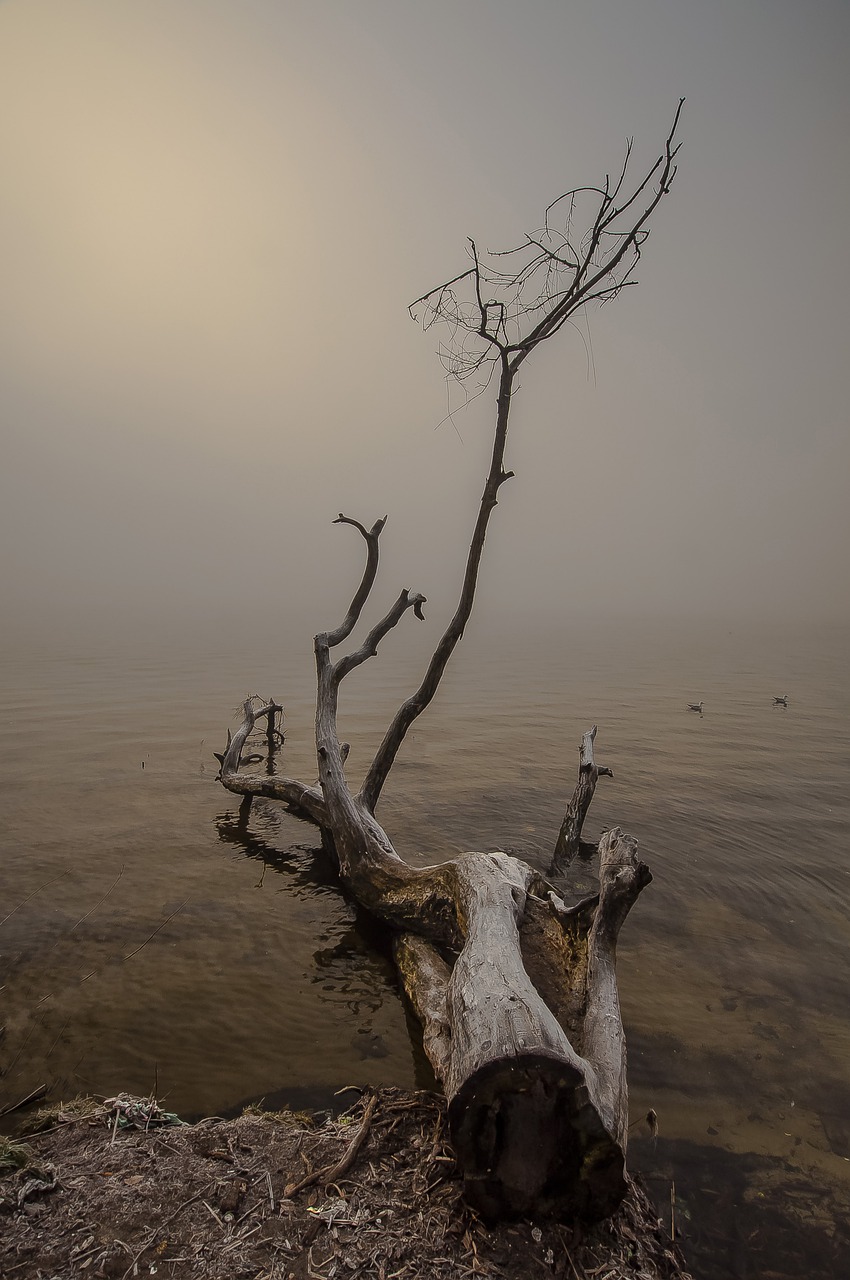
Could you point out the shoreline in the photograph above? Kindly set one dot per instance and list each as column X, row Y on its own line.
column 122, row 1189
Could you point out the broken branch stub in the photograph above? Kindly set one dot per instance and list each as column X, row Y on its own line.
column 569, row 842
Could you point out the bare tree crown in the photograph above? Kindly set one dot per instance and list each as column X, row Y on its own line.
column 587, row 249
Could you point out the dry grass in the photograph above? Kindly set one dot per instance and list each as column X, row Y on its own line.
column 375, row 1193
column 13, row 1156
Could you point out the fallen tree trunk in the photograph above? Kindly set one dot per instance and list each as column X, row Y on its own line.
column 516, row 994
column 537, row 1105
column 515, row 990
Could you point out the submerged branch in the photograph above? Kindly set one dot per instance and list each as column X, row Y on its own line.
column 303, row 801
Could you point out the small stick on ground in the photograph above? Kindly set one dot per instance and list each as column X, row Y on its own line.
column 332, row 1172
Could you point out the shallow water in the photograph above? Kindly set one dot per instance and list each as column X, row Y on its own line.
column 151, row 940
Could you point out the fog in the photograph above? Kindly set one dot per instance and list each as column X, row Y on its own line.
column 214, row 215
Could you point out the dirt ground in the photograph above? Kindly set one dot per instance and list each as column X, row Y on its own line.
column 121, row 1189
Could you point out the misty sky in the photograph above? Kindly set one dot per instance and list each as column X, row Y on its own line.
column 213, row 214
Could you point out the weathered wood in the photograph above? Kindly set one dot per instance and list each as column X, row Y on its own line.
column 515, row 990
column 522, row 1107
column 520, row 1015
column 535, row 1122
column 303, row 801
column 569, row 842
column 622, row 876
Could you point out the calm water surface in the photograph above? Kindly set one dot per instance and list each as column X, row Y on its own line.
column 149, row 939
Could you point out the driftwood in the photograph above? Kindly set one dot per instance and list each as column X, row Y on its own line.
column 516, row 991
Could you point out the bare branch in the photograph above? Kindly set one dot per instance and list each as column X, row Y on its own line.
column 629, row 144
column 344, row 630
column 414, row 706
column 232, row 757
column 369, row 647
column 426, row 297
column 552, row 279
column 591, row 280
column 303, row 801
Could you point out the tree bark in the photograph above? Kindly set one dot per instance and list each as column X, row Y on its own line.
column 524, row 1033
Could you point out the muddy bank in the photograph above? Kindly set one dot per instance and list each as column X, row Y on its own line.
column 121, row 1191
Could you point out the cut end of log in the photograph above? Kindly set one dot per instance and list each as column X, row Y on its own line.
column 529, row 1140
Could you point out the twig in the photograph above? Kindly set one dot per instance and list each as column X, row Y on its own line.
column 573, row 1265
column 46, row 885
column 213, row 1212
column 153, row 1234
column 97, row 904
column 332, row 1172
column 35, row 1096
column 235, row 1243
column 155, row 932
column 248, row 1212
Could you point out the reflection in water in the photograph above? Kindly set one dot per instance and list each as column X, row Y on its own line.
column 310, row 870
column 356, row 971
column 745, row 1215
column 151, row 931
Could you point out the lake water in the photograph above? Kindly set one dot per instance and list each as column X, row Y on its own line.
column 149, row 940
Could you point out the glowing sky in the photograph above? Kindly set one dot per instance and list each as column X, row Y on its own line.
column 213, row 216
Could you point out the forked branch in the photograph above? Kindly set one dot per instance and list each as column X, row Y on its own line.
column 553, row 272
column 349, row 622
column 232, row 757
column 369, row 648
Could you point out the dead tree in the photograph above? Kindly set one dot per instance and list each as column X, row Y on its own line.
column 516, row 992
